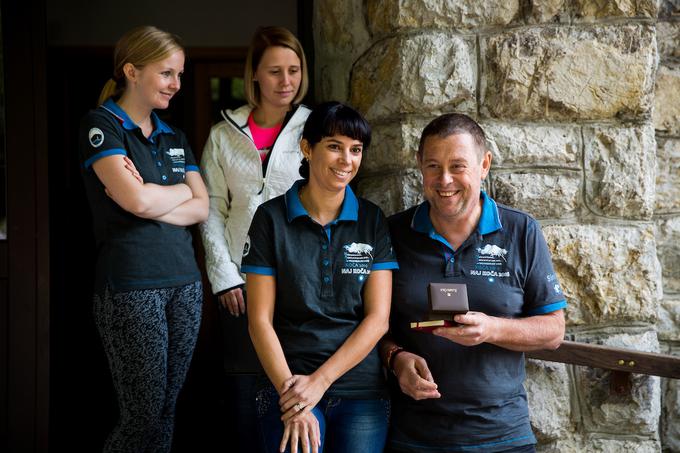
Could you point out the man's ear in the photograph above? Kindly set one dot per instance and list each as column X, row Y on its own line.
column 486, row 163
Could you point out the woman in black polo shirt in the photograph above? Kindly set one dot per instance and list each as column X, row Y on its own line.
column 319, row 263
column 144, row 189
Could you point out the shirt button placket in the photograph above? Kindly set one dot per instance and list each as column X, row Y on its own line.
column 326, row 271
column 450, row 266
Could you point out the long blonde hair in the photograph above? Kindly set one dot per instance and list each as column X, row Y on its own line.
column 264, row 38
column 140, row 47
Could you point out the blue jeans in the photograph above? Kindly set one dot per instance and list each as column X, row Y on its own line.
column 346, row 425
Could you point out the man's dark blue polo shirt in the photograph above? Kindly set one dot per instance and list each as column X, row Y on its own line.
column 136, row 253
column 508, row 271
column 320, row 274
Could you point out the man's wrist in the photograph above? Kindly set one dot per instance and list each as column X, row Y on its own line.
column 392, row 353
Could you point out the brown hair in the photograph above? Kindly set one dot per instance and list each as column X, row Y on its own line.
column 264, row 38
column 140, row 47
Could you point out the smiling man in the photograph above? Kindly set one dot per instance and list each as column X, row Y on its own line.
column 461, row 388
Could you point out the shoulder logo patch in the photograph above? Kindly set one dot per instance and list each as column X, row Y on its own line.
column 246, row 246
column 96, row 137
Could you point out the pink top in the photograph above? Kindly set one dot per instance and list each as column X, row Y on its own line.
column 263, row 137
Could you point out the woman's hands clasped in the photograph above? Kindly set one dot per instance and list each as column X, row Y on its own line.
column 299, row 395
column 302, row 430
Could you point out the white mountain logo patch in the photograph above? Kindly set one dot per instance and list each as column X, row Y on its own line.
column 493, row 251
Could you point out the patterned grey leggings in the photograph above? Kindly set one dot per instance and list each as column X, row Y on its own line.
column 149, row 337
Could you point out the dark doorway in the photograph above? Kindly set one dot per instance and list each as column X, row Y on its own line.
column 83, row 403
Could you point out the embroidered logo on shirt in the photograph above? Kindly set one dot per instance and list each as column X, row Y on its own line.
column 358, row 258
column 492, row 252
column 552, row 278
column 491, row 261
column 176, row 155
column 96, row 137
column 246, row 246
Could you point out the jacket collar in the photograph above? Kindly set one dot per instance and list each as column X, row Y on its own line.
column 239, row 117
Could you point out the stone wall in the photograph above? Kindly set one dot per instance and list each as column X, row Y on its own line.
column 666, row 120
column 581, row 103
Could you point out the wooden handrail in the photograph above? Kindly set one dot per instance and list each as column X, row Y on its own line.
column 617, row 359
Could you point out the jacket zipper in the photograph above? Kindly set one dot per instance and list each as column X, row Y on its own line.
column 286, row 120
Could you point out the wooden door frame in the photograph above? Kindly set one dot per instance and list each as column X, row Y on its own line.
column 208, row 63
column 26, row 363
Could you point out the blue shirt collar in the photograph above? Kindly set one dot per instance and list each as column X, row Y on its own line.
column 294, row 208
column 489, row 221
column 159, row 127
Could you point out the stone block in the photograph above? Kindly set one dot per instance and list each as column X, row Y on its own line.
column 609, row 274
column 552, row 73
column 668, row 327
column 566, row 444
column 667, row 176
column 590, row 10
column 620, row 169
column 389, row 16
column 599, row 444
column 394, row 192
column 670, row 412
column 535, row 144
column 547, row 386
column 669, row 8
column 340, row 36
column 668, row 250
column 667, row 101
column 603, row 411
column 668, row 39
column 394, row 145
column 542, row 11
column 417, row 74
column 555, row 194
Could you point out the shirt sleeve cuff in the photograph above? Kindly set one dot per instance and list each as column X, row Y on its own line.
column 388, row 265
column 99, row 155
column 545, row 309
column 261, row 270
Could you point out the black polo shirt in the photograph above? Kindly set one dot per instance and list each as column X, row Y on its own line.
column 136, row 253
column 508, row 271
column 320, row 274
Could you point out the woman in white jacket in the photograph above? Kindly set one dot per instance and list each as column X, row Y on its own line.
column 250, row 157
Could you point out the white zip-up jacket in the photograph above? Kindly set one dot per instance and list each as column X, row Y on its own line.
column 232, row 170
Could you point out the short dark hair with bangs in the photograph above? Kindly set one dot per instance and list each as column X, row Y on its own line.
column 334, row 118
column 452, row 124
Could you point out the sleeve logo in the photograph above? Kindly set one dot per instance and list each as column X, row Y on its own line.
column 246, row 246
column 96, row 137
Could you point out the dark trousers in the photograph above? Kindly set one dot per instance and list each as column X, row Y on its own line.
column 242, row 372
column 149, row 338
